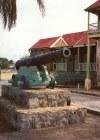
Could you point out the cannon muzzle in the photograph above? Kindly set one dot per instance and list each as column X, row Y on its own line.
column 42, row 59
column 66, row 52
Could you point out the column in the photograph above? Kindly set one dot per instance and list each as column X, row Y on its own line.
column 78, row 57
column 98, row 62
column 88, row 80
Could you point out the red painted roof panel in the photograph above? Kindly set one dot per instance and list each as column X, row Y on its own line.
column 74, row 39
column 78, row 39
column 44, row 43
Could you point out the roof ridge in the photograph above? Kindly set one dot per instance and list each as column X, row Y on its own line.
column 49, row 38
column 75, row 33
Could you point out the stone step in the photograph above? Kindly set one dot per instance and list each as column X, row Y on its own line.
column 35, row 98
column 41, row 117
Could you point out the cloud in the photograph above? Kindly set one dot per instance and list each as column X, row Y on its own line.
column 62, row 16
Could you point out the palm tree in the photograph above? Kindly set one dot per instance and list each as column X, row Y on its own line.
column 8, row 11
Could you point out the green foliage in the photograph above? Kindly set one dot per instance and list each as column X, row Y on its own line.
column 5, row 63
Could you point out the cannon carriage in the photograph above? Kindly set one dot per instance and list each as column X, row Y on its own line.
column 32, row 72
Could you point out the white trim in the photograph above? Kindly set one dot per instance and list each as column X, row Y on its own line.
column 64, row 41
column 60, row 38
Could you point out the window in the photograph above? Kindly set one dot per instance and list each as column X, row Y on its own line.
column 59, row 66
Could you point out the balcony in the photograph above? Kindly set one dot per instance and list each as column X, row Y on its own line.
column 94, row 30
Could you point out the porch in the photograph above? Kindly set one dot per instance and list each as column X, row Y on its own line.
column 72, row 71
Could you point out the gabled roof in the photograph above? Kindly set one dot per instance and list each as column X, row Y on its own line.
column 77, row 39
column 44, row 43
column 94, row 8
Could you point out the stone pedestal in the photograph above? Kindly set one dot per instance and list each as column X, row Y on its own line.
column 36, row 97
column 33, row 109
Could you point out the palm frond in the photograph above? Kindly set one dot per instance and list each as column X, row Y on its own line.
column 8, row 11
column 41, row 6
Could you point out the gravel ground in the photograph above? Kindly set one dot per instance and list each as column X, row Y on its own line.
column 90, row 130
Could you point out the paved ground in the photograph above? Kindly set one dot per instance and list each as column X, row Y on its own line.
column 86, row 100
column 94, row 92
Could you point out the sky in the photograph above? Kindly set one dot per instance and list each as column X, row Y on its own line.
column 61, row 17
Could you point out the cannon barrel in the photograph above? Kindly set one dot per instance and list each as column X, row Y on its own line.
column 45, row 58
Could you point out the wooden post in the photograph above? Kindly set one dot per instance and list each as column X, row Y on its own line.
column 88, row 80
column 98, row 62
column 98, row 55
column 78, row 61
column 98, row 23
column 78, row 57
column 88, row 60
column 0, row 74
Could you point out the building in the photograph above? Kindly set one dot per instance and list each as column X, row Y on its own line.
column 71, row 70
column 84, row 63
column 93, row 33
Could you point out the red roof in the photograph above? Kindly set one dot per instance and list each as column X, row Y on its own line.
column 72, row 39
column 79, row 38
column 94, row 8
column 44, row 43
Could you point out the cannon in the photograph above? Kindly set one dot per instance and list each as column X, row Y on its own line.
column 32, row 72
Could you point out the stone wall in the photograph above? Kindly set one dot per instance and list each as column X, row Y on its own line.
column 39, row 108
column 35, row 98
column 41, row 118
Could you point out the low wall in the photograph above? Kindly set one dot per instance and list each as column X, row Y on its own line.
column 41, row 118
column 35, row 98
column 38, row 108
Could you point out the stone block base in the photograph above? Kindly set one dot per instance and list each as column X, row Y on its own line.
column 41, row 117
column 35, row 98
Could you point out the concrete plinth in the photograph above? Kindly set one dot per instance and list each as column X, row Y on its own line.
column 87, row 84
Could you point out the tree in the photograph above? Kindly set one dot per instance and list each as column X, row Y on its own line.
column 11, row 62
column 5, row 63
column 8, row 10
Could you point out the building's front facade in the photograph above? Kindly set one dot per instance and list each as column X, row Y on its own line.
column 71, row 70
